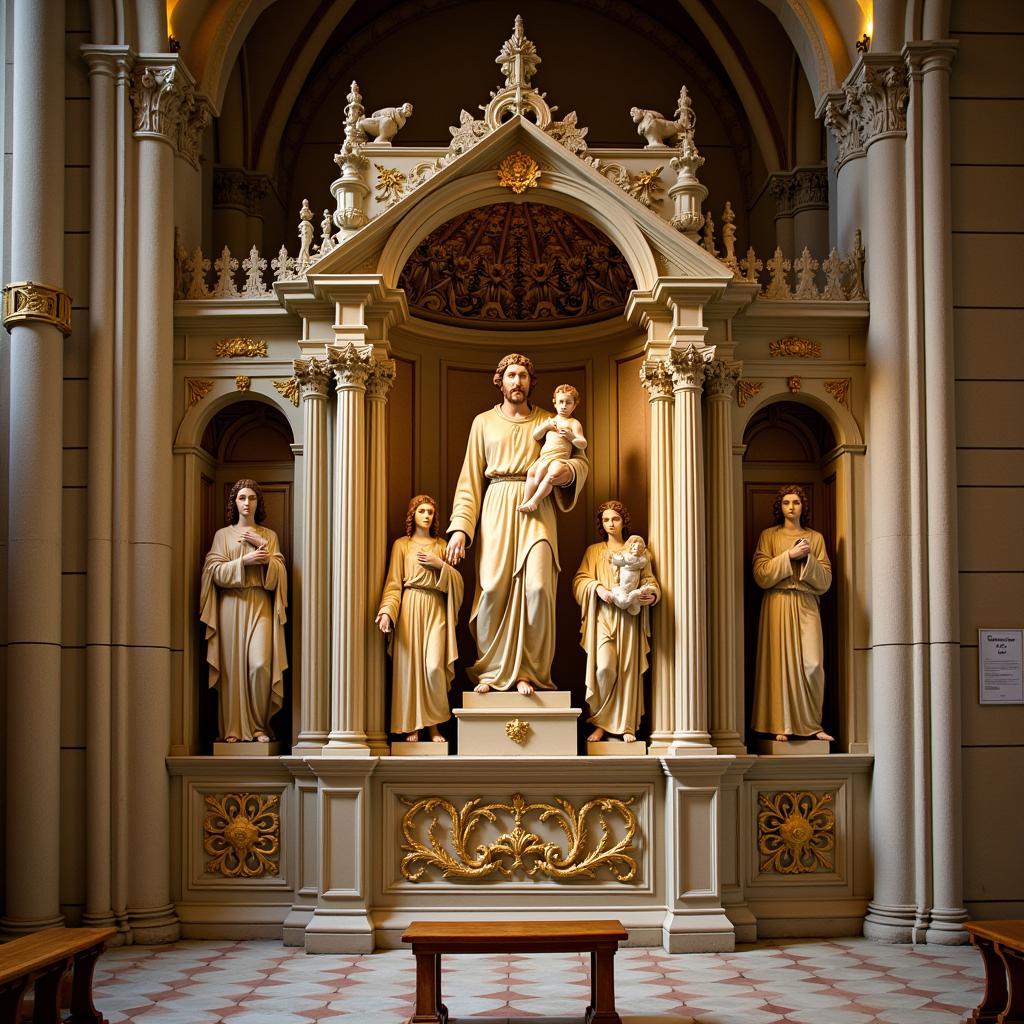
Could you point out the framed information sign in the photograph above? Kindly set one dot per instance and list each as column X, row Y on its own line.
column 1000, row 666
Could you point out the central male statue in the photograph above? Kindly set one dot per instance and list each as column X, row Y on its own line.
column 513, row 618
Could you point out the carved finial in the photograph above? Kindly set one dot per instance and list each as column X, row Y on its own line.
column 254, row 267
column 305, row 256
column 354, row 135
column 708, row 234
column 688, row 193
column 225, row 266
column 855, row 265
column 833, row 267
column 283, row 265
column 751, row 266
column 778, row 287
column 326, row 228
column 806, row 267
column 198, row 265
column 518, row 58
column 729, row 237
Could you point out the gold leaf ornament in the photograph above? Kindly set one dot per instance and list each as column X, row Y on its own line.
column 517, row 730
column 241, row 348
column 796, row 832
column 518, row 172
column 799, row 348
column 289, row 389
column 518, row 848
column 242, row 834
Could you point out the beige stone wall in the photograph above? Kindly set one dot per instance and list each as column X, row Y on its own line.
column 987, row 110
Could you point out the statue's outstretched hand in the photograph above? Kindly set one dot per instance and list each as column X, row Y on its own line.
column 383, row 621
column 456, row 548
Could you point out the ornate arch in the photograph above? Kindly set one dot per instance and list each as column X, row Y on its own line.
column 193, row 424
column 842, row 421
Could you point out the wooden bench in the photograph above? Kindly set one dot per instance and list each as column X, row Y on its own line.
column 432, row 938
column 1001, row 944
column 42, row 959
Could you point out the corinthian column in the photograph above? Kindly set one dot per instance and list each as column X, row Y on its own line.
column 726, row 723
column 656, row 377
column 691, row 734
column 314, row 377
column 351, row 366
column 37, row 316
column 382, row 376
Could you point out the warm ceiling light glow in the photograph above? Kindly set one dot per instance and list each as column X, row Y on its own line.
column 869, row 28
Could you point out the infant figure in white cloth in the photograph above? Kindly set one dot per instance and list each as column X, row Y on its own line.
column 560, row 434
column 632, row 563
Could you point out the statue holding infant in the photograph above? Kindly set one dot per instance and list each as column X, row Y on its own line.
column 418, row 610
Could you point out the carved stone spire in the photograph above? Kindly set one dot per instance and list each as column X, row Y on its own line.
column 518, row 58
column 687, row 193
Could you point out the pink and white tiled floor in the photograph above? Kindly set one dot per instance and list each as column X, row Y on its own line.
column 844, row 981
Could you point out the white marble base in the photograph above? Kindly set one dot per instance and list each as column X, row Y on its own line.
column 402, row 748
column 550, row 724
column 246, row 748
column 616, row 748
column 791, row 748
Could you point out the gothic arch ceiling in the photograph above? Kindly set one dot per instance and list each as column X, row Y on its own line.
column 516, row 265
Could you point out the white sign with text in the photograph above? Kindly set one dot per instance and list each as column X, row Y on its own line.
column 1001, row 666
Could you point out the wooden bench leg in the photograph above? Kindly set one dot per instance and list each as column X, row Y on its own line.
column 11, row 996
column 429, row 1008
column 47, row 994
column 1013, row 961
column 83, row 1011
column 993, row 1002
column 602, row 988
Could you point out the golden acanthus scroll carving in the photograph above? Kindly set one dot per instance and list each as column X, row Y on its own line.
column 197, row 388
column 839, row 390
column 746, row 389
column 796, row 833
column 800, row 348
column 242, row 834
column 241, row 348
column 518, row 848
column 289, row 389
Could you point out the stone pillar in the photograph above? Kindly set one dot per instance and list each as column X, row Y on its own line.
column 382, row 376
column 656, row 377
column 809, row 204
column 314, row 376
column 691, row 734
column 726, row 687
column 781, row 185
column 842, row 115
column 230, row 213
column 351, row 366
column 162, row 94
column 947, row 914
column 37, row 315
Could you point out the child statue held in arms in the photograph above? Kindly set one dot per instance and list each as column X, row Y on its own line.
column 560, row 434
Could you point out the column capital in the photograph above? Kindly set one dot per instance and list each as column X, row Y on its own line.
column 191, row 125
column 351, row 365
column 721, row 378
column 162, row 93
column 923, row 56
column 108, row 60
column 313, row 375
column 656, row 378
column 381, row 378
column 689, row 364
column 871, row 106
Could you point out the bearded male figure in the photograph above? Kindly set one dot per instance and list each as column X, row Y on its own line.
column 513, row 619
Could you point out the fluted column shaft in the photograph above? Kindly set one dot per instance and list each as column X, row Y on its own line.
column 351, row 366
column 726, row 705
column 382, row 376
column 36, row 478
column 691, row 713
column 314, row 376
column 656, row 377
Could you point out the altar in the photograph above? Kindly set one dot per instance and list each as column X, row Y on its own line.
column 351, row 383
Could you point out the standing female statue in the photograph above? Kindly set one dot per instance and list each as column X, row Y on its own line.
column 791, row 565
column 242, row 601
column 422, row 594
column 616, row 642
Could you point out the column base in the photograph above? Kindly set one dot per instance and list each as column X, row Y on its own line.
column 12, row 927
column 293, row 929
column 706, row 932
column 155, row 927
column 946, row 928
column 344, row 748
column 331, row 932
column 728, row 743
column 309, row 744
column 690, row 747
column 744, row 922
column 886, row 923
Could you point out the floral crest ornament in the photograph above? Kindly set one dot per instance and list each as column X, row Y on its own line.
column 242, row 834
column 518, row 172
column 518, row 848
column 796, row 832
column 517, row 730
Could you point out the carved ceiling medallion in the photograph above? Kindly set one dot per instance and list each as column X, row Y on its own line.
column 516, row 265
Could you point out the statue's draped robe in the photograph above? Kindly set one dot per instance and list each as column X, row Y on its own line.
column 617, row 644
column 513, row 618
column 423, row 603
column 243, row 609
column 790, row 681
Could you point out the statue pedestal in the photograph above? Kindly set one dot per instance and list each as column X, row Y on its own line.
column 501, row 724
column 246, row 748
column 791, row 748
column 428, row 749
column 616, row 748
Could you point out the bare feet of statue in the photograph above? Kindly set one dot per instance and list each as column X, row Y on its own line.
column 823, row 736
column 524, row 687
column 435, row 736
column 527, row 506
column 482, row 688
column 262, row 737
column 230, row 739
column 413, row 737
column 596, row 736
column 628, row 737
column 781, row 737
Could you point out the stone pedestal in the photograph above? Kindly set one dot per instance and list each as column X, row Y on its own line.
column 246, row 749
column 616, row 748
column 791, row 748
column 503, row 724
column 428, row 749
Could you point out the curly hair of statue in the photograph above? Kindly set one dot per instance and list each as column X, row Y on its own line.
column 410, row 515
column 515, row 359
column 231, row 509
column 805, row 504
column 567, row 389
column 615, row 506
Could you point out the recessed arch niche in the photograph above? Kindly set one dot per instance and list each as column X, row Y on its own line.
column 792, row 443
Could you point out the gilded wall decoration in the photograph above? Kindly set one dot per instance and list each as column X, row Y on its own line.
column 746, row 389
column 796, row 832
column 512, row 264
column 25, row 301
column 242, row 834
column 839, row 390
column 516, row 730
column 196, row 389
column 518, row 848
column 289, row 389
column 518, row 172
column 794, row 384
column 794, row 348
column 243, row 383
column 390, row 185
column 241, row 348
